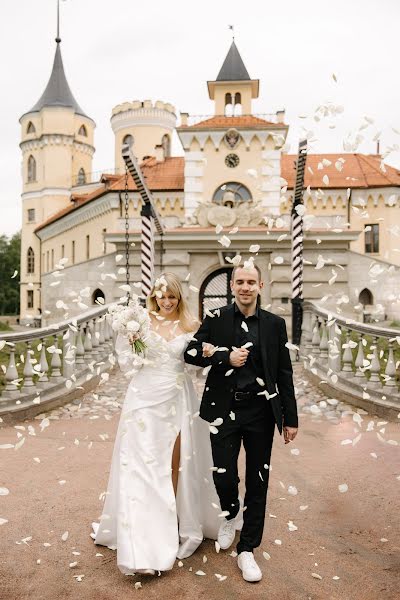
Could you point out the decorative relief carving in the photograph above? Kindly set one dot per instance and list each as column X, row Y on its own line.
column 229, row 213
column 232, row 138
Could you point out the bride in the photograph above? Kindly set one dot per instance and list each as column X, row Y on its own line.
column 161, row 501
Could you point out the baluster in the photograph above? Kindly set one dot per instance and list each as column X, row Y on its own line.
column 80, row 350
column 323, row 345
column 390, row 371
column 334, row 334
column 307, row 328
column 375, row 380
column 55, row 376
column 316, row 338
column 28, row 386
column 102, row 335
column 95, row 339
column 359, row 375
column 347, row 356
column 88, row 343
column 68, row 361
column 44, row 366
column 11, row 390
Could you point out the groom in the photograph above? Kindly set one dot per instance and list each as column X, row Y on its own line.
column 249, row 389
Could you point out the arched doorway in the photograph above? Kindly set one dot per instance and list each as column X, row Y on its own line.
column 366, row 297
column 98, row 297
column 215, row 291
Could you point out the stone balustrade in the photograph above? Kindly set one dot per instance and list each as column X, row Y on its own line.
column 49, row 366
column 351, row 360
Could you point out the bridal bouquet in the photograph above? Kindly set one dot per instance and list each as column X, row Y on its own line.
column 132, row 322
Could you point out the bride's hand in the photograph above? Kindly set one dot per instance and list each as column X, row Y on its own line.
column 208, row 350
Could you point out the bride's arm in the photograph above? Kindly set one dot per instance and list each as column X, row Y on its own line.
column 125, row 356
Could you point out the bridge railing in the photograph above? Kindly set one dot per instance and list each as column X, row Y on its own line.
column 355, row 359
column 45, row 365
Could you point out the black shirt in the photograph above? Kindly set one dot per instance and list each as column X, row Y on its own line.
column 246, row 375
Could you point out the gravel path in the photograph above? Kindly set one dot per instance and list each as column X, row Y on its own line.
column 319, row 542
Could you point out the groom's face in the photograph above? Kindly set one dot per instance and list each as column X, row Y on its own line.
column 246, row 286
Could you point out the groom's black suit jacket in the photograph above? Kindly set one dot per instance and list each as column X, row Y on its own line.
column 277, row 366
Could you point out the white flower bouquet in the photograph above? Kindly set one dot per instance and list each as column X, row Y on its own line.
column 132, row 321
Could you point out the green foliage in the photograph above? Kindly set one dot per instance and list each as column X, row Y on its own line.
column 5, row 326
column 10, row 252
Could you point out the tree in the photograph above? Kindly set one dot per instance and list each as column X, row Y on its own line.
column 10, row 258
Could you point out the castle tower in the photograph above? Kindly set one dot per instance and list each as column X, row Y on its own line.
column 57, row 151
column 233, row 90
column 149, row 127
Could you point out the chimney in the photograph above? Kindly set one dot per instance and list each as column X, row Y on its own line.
column 184, row 119
column 159, row 153
column 280, row 116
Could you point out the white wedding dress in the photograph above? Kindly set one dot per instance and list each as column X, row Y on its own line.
column 141, row 515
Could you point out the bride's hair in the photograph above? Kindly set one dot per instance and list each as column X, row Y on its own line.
column 187, row 321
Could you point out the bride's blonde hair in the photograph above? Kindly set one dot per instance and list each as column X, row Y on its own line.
column 187, row 321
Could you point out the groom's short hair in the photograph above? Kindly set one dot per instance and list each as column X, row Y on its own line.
column 256, row 267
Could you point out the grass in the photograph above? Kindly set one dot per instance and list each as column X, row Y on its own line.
column 5, row 326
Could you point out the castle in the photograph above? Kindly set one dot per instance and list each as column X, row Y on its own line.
column 234, row 173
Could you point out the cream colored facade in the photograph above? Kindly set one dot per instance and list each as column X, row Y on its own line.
column 83, row 223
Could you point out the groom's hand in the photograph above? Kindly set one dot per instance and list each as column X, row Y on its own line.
column 238, row 357
column 289, row 433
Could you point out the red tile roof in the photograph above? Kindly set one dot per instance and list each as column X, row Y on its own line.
column 359, row 171
column 240, row 122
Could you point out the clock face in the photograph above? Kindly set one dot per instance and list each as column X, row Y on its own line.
column 232, row 160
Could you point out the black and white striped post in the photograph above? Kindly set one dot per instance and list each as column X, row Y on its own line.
column 297, row 245
column 150, row 220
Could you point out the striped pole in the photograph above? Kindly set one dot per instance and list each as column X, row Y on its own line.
column 149, row 219
column 147, row 250
column 297, row 245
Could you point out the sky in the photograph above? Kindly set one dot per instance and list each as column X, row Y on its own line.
column 306, row 55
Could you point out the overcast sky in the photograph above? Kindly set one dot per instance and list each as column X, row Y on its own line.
column 121, row 50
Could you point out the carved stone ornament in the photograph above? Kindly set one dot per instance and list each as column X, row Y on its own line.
column 232, row 138
column 247, row 214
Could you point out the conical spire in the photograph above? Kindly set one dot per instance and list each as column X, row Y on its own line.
column 233, row 68
column 57, row 92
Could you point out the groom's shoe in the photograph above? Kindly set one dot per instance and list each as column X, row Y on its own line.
column 228, row 529
column 250, row 569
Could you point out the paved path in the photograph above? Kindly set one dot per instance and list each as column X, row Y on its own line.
column 51, row 484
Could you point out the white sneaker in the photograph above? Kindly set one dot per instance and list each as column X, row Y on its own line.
column 227, row 530
column 250, row 569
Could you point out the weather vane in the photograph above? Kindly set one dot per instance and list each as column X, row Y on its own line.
column 58, row 39
column 233, row 32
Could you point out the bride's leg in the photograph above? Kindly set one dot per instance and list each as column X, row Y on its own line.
column 176, row 459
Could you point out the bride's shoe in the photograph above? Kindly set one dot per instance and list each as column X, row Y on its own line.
column 145, row 571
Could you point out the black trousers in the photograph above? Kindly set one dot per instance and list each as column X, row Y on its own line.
column 254, row 424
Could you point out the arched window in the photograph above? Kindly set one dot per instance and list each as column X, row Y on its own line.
column 82, row 131
column 166, row 144
column 228, row 105
column 365, row 297
column 31, row 169
column 98, row 297
column 81, row 176
column 237, row 108
column 30, row 261
column 231, row 194
column 30, row 128
column 128, row 139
